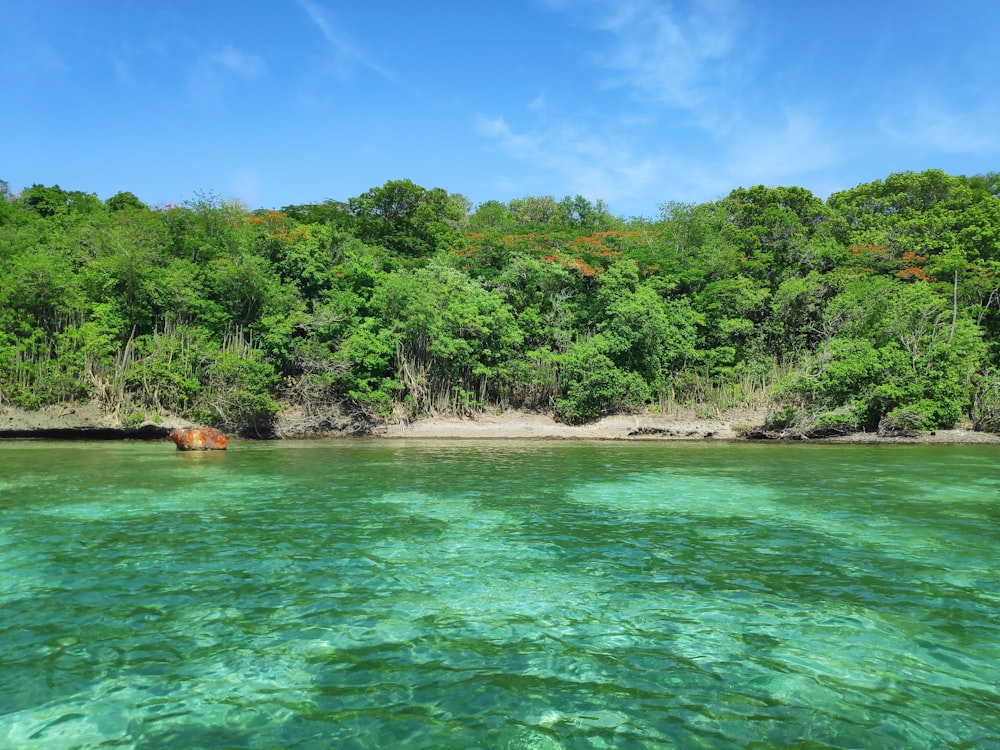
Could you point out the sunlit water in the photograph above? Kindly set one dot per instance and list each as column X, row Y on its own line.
column 499, row 595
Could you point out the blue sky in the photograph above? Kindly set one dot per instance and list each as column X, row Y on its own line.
column 636, row 102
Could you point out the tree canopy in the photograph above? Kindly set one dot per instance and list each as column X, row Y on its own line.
column 879, row 307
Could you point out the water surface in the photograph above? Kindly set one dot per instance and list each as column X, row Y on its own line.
column 499, row 595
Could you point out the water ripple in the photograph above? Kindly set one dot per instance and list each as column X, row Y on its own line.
column 321, row 595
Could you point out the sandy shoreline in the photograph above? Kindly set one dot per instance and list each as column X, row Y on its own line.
column 681, row 426
column 527, row 425
column 84, row 420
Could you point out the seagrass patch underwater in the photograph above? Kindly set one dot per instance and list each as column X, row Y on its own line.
column 500, row 594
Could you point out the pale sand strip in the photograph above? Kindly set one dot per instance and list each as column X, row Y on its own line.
column 682, row 424
column 517, row 424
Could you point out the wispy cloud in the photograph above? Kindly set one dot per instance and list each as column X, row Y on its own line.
column 669, row 58
column 687, row 69
column 539, row 103
column 210, row 73
column 347, row 53
column 48, row 59
column 774, row 152
column 592, row 165
column 236, row 61
column 616, row 167
column 936, row 127
column 131, row 60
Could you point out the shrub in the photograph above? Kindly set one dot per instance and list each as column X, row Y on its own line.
column 593, row 385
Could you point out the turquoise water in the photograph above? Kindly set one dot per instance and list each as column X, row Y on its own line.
column 499, row 595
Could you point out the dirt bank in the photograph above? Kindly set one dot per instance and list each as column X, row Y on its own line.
column 88, row 421
column 520, row 425
column 80, row 421
column 680, row 425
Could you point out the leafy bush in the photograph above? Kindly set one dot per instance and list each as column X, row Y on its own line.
column 593, row 385
column 904, row 420
column 237, row 393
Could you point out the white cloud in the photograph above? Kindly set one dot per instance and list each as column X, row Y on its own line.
column 610, row 166
column 694, row 132
column 539, row 103
column 131, row 60
column 668, row 58
column 48, row 59
column 519, row 146
column 236, row 61
column 770, row 154
column 214, row 70
column 937, row 128
column 346, row 53
column 593, row 165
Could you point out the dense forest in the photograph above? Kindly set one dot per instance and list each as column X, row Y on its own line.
column 878, row 308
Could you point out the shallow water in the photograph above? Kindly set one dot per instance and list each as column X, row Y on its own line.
column 499, row 595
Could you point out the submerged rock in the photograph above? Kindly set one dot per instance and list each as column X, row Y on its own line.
column 198, row 439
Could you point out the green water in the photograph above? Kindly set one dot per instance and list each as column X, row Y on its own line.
column 499, row 595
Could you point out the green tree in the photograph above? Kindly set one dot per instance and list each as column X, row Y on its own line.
column 408, row 219
column 125, row 201
column 455, row 338
column 593, row 385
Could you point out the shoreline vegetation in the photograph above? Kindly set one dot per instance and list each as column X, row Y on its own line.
column 89, row 422
column 767, row 314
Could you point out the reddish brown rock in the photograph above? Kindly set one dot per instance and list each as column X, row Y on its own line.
column 198, row 439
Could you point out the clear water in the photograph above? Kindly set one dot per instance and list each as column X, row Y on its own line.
column 499, row 595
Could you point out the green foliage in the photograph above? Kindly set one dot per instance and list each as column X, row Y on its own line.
column 167, row 369
column 795, row 322
column 47, row 202
column 407, row 219
column 731, row 310
column 334, row 214
column 308, row 260
column 922, row 415
column 451, row 332
column 781, row 232
column 877, row 309
column 125, row 201
column 594, row 386
column 492, row 216
column 986, row 401
column 644, row 333
column 237, row 392
column 368, row 381
column 41, row 369
column 900, row 354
